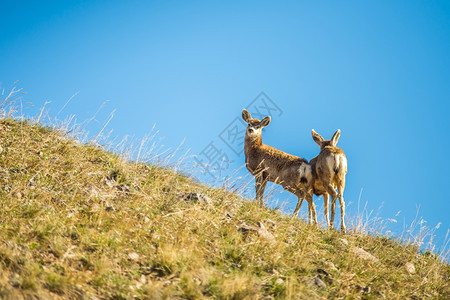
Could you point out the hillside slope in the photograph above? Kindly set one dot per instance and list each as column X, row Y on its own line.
column 78, row 222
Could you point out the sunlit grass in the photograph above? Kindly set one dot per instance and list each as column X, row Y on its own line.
column 77, row 221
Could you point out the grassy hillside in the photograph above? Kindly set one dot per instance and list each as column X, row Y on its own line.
column 79, row 222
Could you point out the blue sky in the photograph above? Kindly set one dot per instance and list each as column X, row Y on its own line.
column 377, row 70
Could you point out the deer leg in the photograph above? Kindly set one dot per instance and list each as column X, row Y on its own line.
column 342, row 204
column 325, row 205
column 312, row 209
column 333, row 194
column 299, row 193
column 297, row 208
column 301, row 196
column 309, row 213
column 333, row 211
column 260, row 186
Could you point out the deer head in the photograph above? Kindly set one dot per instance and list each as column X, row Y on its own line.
column 255, row 126
column 322, row 142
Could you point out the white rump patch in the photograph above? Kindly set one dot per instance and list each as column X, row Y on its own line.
column 343, row 162
column 305, row 171
column 332, row 161
column 336, row 162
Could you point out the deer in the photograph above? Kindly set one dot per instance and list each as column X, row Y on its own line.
column 266, row 163
column 329, row 169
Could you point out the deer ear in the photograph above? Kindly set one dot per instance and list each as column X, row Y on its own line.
column 317, row 138
column 265, row 122
column 335, row 138
column 246, row 116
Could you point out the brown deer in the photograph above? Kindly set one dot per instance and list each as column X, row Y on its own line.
column 329, row 169
column 269, row 164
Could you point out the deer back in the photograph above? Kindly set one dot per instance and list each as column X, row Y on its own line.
column 278, row 166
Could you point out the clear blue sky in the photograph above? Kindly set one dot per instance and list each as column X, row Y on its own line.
column 378, row 70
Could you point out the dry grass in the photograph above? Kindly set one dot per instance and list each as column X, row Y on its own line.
column 79, row 222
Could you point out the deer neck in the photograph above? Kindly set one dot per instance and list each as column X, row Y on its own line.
column 252, row 143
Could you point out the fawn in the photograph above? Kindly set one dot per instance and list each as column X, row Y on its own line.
column 329, row 169
column 269, row 164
